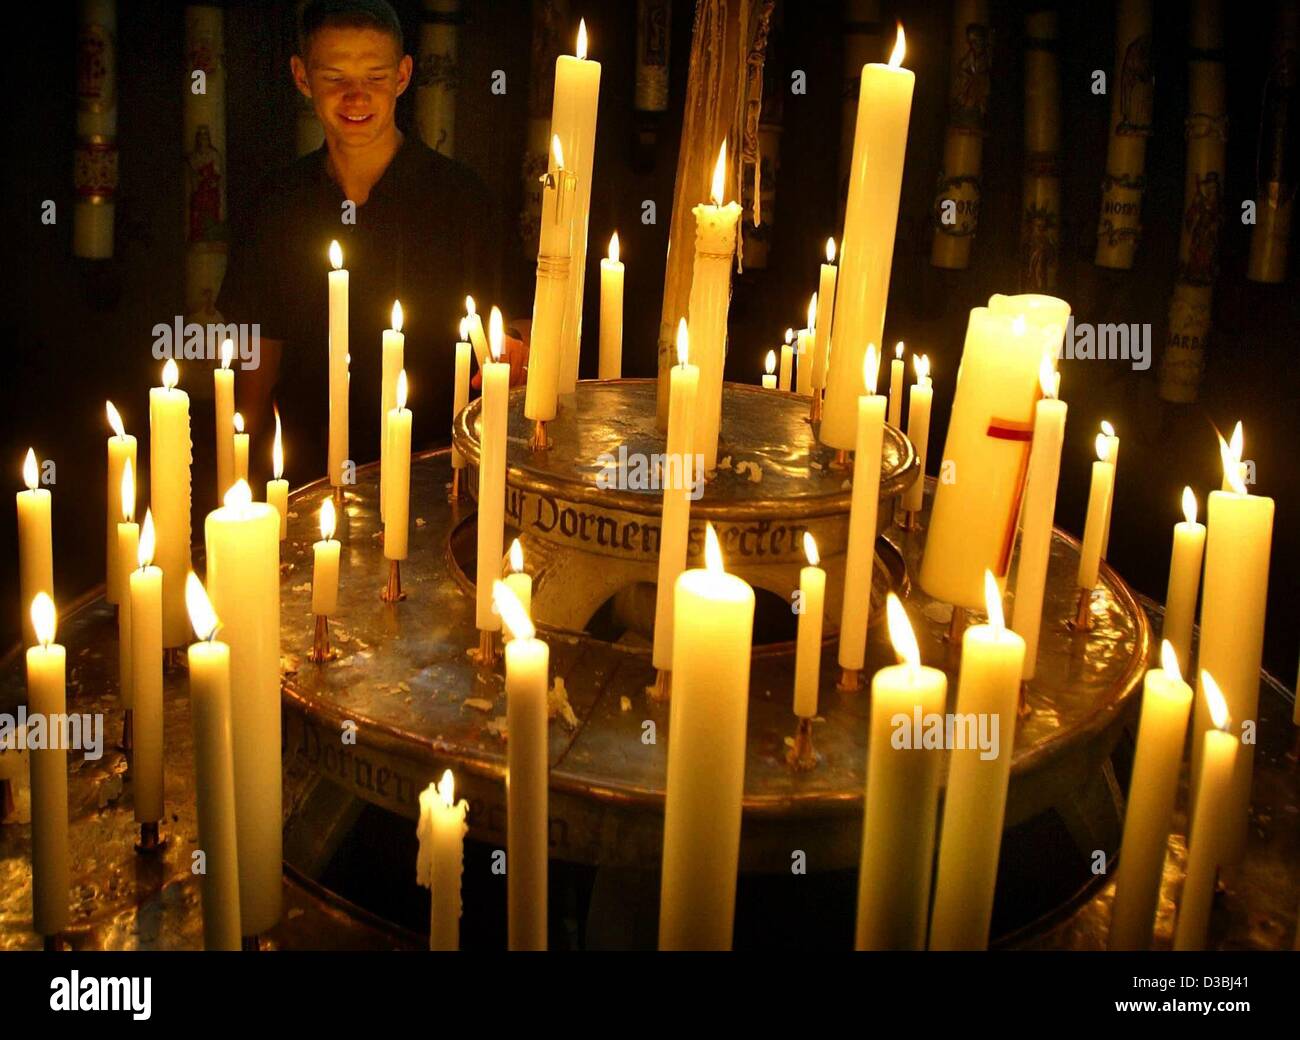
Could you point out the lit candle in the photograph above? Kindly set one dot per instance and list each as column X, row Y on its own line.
column 223, row 380
column 47, row 696
column 1235, row 447
column 1213, row 818
column 1162, row 730
column 901, row 799
column 277, row 489
column 491, row 476
column 1094, row 528
column 169, row 498
column 804, row 351
column 35, row 543
column 715, row 244
column 785, row 372
column 808, row 640
column 243, row 578
column 397, row 521
column 826, row 308
column 573, row 121
column 769, row 371
column 551, row 293
column 527, row 769
column 896, row 372
column 1184, row 580
column 864, row 504
column 713, row 624
column 214, row 772
column 393, row 350
column 146, row 591
column 1112, row 456
column 338, row 366
column 460, row 391
column 675, row 522
column 325, row 564
column 240, row 449
column 127, row 549
column 1039, row 512
column 474, row 326
column 870, row 221
column 611, row 313
column 121, row 450
column 441, row 859
column 519, row 581
column 1238, row 542
column 919, row 405
column 974, row 805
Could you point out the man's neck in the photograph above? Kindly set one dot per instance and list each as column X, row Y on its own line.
column 358, row 170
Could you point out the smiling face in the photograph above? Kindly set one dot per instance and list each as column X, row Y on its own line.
column 354, row 78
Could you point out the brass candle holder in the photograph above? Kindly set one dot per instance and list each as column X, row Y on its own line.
column 320, row 649
column 662, row 690
column 486, row 654
column 393, row 590
column 151, row 840
column 850, row 680
column 841, row 459
column 453, row 494
column 801, row 755
column 539, row 441
column 1083, row 613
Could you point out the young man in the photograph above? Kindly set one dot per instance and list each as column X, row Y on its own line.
column 425, row 232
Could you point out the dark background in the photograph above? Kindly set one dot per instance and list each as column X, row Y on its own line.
column 75, row 332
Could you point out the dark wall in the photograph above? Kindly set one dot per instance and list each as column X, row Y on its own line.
column 73, row 332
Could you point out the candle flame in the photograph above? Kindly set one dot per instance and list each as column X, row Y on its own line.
column 1238, row 441
column 810, row 549
column 203, row 619
column 1103, row 447
column 496, row 334
column 470, row 308
column 336, row 256
column 1215, row 701
column 1107, row 428
column 516, row 557
column 557, row 153
column 900, row 632
column 1231, row 455
column 683, row 341
column 401, row 389
column 712, row 551
column 789, row 336
column 1169, row 660
column 397, row 316
column 812, row 312
column 227, row 352
column 1189, row 505
column 171, row 374
column 898, row 350
column 128, row 493
column 115, row 421
column 144, row 549
column 31, row 472
column 770, row 363
column 613, row 248
column 1048, row 378
column 900, row 49
column 239, row 495
column 238, row 422
column 719, row 175
column 581, row 49
column 870, row 368
column 464, row 330
column 993, row 602
column 921, row 364
column 512, row 612
column 44, row 618
column 447, row 789
column 277, row 447
column 328, row 518
column 830, row 250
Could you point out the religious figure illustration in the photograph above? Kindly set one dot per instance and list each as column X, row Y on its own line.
column 1202, row 220
column 204, row 166
column 970, row 88
column 1039, row 248
column 1136, row 86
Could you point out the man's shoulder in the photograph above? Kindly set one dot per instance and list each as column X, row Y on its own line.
column 301, row 175
column 422, row 160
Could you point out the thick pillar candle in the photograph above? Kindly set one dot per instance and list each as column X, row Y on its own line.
column 919, row 405
column 35, row 544
column 325, row 564
column 825, row 311
column 393, row 353
column 338, row 365
column 397, row 523
column 901, row 798
column 223, row 395
column 611, row 313
column 491, row 477
column 860, row 556
column 974, row 805
column 243, row 553
column 169, row 498
column 121, row 450
column 870, row 220
column 713, row 628
column 1162, row 730
column 527, row 772
column 441, row 859
column 145, row 587
column 460, row 387
column 277, row 489
column 896, row 372
column 1184, row 580
column 214, row 772
column 675, row 521
column 47, row 696
column 241, row 450
column 808, row 640
column 1094, row 527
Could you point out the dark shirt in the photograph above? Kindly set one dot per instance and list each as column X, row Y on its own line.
column 427, row 235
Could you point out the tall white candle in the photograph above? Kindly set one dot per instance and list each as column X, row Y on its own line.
column 896, row 372
column 441, row 860
column 121, row 450
column 1184, row 580
column 223, row 390
column 551, row 292
column 127, row 548
column 808, row 639
column 393, row 353
column 145, row 590
column 397, row 523
column 491, row 476
column 825, row 311
column 35, row 543
column 1094, row 527
column 47, row 696
column 1112, row 456
column 169, row 497
column 803, row 362
column 611, row 313
column 919, row 405
column 460, row 387
column 713, row 629
column 338, row 365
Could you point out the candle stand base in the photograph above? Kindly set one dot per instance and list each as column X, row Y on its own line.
column 128, row 730
column 250, row 944
column 1082, row 621
column 662, row 690
column 393, row 590
column 538, row 441
column 850, row 680
column 453, row 494
column 151, row 841
column 801, row 755
column 841, row 459
column 485, row 656
column 320, row 650
column 956, row 627
column 7, row 807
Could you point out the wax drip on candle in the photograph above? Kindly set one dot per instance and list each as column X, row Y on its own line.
column 1169, row 661
column 227, row 352
column 810, row 549
column 516, row 557
column 128, row 493
column 900, row 49
column 31, row 472
column 830, row 250
column 328, row 519
column 901, row 634
column 171, row 374
column 1215, row 702
column 513, row 615
column 871, row 368
column 44, row 619
column 115, row 421
column 684, row 343
column 203, row 619
column 144, row 550
column 993, row 603
column 277, row 448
